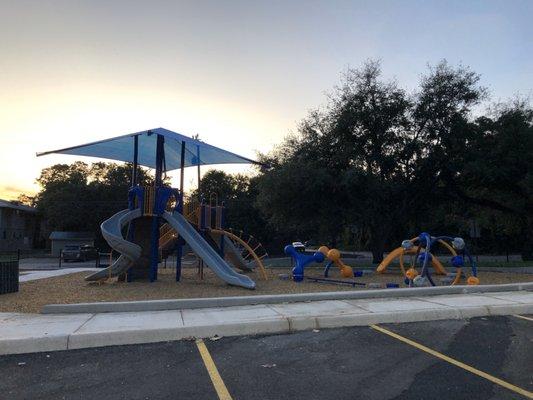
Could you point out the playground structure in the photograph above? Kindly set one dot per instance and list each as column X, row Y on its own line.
column 419, row 249
column 301, row 261
column 242, row 250
column 334, row 257
column 200, row 226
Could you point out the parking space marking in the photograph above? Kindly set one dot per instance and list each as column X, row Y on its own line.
column 218, row 383
column 521, row 316
column 457, row 363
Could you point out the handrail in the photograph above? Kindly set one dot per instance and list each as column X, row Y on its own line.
column 248, row 248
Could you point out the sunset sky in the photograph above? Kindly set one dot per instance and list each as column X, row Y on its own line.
column 241, row 74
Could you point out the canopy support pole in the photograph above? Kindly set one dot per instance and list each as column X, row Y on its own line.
column 131, row 227
column 179, row 247
column 182, row 174
column 159, row 155
column 135, row 160
column 154, row 256
column 198, row 171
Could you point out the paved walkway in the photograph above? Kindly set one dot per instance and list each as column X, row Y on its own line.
column 26, row 333
column 34, row 275
column 49, row 263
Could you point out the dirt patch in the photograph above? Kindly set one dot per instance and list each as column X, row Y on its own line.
column 74, row 289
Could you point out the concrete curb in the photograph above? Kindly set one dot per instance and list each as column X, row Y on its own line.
column 179, row 304
column 512, row 270
column 273, row 325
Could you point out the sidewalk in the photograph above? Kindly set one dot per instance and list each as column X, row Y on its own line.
column 35, row 275
column 52, row 263
column 26, row 333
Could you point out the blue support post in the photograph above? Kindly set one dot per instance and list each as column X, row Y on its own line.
column 179, row 255
column 154, row 249
column 202, row 216
column 154, row 242
column 179, row 244
column 198, row 172
column 131, row 229
column 222, row 225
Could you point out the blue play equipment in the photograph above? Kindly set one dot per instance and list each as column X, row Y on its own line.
column 150, row 207
column 301, row 261
column 427, row 242
column 327, row 268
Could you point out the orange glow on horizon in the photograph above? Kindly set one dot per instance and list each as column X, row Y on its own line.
column 55, row 120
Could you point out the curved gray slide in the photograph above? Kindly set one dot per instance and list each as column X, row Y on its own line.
column 206, row 252
column 112, row 233
column 232, row 253
column 235, row 255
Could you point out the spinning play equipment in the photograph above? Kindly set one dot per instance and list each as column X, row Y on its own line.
column 155, row 219
column 419, row 248
column 334, row 257
column 301, row 261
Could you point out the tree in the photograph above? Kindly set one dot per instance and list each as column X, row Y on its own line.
column 79, row 196
column 239, row 194
column 374, row 157
column 217, row 184
column 26, row 200
column 498, row 172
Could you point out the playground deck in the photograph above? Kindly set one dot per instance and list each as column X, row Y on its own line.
column 72, row 288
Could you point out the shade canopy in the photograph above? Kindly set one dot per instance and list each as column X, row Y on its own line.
column 121, row 148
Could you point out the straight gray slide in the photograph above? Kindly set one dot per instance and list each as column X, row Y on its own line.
column 206, row 252
column 112, row 233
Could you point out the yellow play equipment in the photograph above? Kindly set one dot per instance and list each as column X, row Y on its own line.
column 334, row 256
column 419, row 248
column 410, row 273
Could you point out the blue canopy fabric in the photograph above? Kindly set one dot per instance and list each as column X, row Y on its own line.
column 121, row 148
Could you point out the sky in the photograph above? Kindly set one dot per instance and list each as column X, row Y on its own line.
column 241, row 74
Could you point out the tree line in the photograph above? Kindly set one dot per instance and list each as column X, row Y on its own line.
column 373, row 166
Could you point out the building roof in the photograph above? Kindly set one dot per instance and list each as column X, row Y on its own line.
column 16, row 206
column 68, row 235
column 121, row 148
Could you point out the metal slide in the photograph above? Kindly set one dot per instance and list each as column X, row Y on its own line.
column 206, row 252
column 232, row 253
column 235, row 256
column 112, row 233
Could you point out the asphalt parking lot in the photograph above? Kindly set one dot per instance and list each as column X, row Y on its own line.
column 482, row 358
